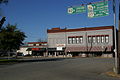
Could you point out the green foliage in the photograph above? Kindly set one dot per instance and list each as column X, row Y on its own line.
column 3, row 1
column 11, row 38
column 8, row 60
column 2, row 21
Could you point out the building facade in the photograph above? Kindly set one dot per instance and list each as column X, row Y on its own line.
column 92, row 41
column 34, row 49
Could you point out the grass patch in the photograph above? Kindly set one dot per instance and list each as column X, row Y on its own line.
column 8, row 61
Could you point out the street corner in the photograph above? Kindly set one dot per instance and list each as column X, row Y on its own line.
column 113, row 74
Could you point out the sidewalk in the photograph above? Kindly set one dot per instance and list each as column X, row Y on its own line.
column 112, row 74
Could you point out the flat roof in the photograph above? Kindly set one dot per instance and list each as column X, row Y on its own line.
column 37, row 42
column 57, row 30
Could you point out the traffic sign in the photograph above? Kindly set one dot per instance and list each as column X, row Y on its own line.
column 78, row 9
column 98, row 9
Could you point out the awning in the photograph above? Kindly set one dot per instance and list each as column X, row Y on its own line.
column 89, row 49
column 100, row 48
column 75, row 49
column 36, row 49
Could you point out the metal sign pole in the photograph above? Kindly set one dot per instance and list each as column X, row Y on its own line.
column 119, row 40
column 115, row 38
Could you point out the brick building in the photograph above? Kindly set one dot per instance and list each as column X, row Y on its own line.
column 92, row 41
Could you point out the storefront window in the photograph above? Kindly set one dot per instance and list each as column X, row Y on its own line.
column 34, row 44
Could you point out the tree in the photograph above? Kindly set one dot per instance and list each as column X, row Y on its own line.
column 11, row 38
column 3, row 18
column 2, row 22
column 3, row 1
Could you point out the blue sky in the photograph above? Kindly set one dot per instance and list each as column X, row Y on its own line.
column 34, row 17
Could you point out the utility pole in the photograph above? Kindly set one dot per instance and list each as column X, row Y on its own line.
column 119, row 48
column 119, row 40
column 116, row 24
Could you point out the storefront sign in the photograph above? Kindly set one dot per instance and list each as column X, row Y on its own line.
column 60, row 45
column 59, row 48
column 35, row 49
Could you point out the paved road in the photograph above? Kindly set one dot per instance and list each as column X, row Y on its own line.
column 60, row 69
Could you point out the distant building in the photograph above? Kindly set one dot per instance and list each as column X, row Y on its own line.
column 90, row 41
column 34, row 49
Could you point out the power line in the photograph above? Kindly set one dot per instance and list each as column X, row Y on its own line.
column 85, row 2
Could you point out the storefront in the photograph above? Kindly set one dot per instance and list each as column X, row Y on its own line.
column 54, row 52
column 37, row 51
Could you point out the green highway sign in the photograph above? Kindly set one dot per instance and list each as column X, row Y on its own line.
column 98, row 9
column 78, row 9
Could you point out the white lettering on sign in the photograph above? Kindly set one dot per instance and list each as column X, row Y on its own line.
column 59, row 48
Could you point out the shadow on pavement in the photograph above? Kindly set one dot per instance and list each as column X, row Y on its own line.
column 40, row 60
column 24, row 60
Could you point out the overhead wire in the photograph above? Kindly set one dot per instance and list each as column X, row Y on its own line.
column 86, row 2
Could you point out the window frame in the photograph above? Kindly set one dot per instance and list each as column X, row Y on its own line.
column 102, row 39
column 77, row 40
column 98, row 39
column 81, row 39
column 89, row 39
column 69, row 40
column 34, row 44
column 93, row 39
column 106, row 38
column 74, row 40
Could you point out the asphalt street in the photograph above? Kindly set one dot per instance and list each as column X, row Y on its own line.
column 59, row 69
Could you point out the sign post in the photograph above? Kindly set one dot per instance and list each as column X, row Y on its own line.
column 119, row 38
column 116, row 24
column 75, row 10
column 98, row 9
